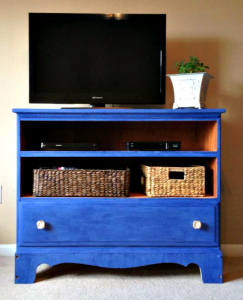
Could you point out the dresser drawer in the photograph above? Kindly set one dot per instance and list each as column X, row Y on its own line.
column 117, row 224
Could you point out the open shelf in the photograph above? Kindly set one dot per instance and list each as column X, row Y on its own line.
column 112, row 136
column 133, row 163
column 198, row 146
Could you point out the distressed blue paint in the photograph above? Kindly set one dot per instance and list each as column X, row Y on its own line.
column 139, row 250
column 219, row 157
column 219, row 172
column 138, row 231
column 119, row 154
column 118, row 114
column 209, row 260
column 18, row 177
column 165, row 201
column 103, row 225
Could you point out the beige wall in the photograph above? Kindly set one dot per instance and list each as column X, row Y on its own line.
column 210, row 29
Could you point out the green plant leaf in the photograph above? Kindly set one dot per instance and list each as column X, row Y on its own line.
column 192, row 66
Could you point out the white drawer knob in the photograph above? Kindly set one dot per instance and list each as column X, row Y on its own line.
column 197, row 224
column 40, row 224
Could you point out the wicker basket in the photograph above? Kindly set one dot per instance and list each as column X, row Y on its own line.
column 81, row 183
column 157, row 181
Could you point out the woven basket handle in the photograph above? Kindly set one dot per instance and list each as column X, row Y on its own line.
column 177, row 173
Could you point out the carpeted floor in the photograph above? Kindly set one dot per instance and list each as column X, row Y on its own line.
column 162, row 282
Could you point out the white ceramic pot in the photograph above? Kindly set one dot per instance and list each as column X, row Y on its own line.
column 190, row 89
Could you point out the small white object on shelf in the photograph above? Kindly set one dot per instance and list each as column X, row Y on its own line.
column 190, row 89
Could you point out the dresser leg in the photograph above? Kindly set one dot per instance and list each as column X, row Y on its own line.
column 25, row 269
column 212, row 269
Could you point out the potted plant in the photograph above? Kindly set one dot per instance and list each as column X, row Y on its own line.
column 190, row 85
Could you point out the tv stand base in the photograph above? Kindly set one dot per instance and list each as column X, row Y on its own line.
column 209, row 260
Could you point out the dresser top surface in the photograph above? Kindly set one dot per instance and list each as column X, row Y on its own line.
column 114, row 115
column 118, row 111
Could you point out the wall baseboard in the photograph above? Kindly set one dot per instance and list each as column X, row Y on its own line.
column 232, row 250
column 7, row 249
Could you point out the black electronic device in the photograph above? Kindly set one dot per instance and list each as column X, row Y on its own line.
column 69, row 146
column 97, row 58
column 154, row 146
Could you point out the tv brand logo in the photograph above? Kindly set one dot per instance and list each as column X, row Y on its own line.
column 95, row 97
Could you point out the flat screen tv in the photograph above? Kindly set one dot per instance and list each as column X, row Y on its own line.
column 97, row 58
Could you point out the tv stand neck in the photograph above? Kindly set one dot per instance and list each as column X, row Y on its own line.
column 96, row 105
column 93, row 105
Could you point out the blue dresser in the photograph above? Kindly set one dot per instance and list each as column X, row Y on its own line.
column 118, row 232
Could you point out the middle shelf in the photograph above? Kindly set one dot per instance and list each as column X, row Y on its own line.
column 119, row 154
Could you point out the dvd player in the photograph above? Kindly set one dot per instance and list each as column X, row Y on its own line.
column 154, row 146
column 69, row 146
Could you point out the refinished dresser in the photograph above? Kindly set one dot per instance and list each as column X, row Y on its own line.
column 118, row 232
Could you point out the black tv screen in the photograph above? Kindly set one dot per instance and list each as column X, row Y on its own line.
column 97, row 58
